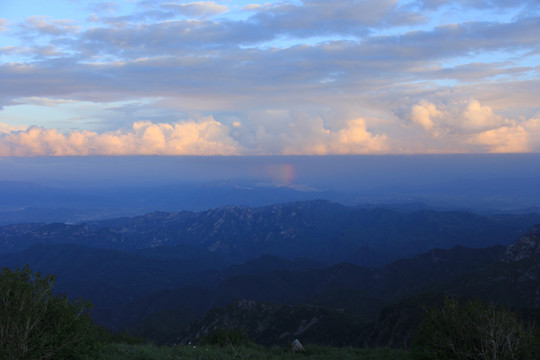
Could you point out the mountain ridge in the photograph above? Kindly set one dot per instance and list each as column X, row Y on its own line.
column 321, row 230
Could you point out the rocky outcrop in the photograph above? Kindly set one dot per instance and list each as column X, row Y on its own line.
column 527, row 247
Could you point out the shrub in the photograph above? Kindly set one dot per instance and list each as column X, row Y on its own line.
column 475, row 331
column 226, row 337
column 37, row 324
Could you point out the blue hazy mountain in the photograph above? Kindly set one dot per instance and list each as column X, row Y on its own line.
column 73, row 189
column 323, row 231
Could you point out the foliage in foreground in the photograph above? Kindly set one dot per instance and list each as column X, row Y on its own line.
column 226, row 337
column 37, row 324
column 475, row 331
column 251, row 352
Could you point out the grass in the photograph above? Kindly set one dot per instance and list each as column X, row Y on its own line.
column 250, row 352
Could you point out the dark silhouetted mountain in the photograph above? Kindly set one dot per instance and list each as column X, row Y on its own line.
column 269, row 263
column 108, row 277
column 361, row 306
column 396, row 324
column 320, row 230
column 352, row 289
column 272, row 324
column 174, row 268
column 514, row 280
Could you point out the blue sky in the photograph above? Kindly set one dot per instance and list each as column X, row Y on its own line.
column 305, row 77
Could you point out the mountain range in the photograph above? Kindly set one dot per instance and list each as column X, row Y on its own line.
column 320, row 230
column 319, row 270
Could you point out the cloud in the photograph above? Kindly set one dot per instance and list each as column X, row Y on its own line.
column 356, row 139
column 198, row 9
column 469, row 127
column 506, row 139
column 478, row 4
column 316, row 17
column 47, row 26
column 423, row 114
column 252, row 7
column 283, row 77
column 43, row 101
column 3, row 25
column 478, row 117
column 532, row 126
column 204, row 137
column 307, row 135
column 7, row 128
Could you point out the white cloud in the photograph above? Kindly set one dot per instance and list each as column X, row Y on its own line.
column 478, row 117
column 506, row 139
column 7, row 128
column 311, row 137
column 356, row 139
column 423, row 114
column 332, row 60
column 198, row 9
column 532, row 126
column 204, row 137
column 252, row 7
column 46, row 25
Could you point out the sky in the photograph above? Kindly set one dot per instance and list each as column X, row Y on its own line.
column 303, row 77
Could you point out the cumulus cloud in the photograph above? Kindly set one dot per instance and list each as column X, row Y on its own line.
column 424, row 113
column 506, row 139
column 6, row 128
column 334, row 60
column 313, row 138
column 478, row 117
column 471, row 126
column 204, row 137
column 356, row 139
column 532, row 126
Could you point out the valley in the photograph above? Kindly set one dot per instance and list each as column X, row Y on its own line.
column 321, row 271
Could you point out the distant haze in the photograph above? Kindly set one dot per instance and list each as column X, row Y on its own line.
column 324, row 172
column 490, row 181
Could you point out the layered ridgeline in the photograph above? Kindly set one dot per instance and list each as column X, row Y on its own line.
column 179, row 292
column 319, row 230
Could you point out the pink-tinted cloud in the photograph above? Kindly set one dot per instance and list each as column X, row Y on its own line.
column 204, row 137
column 354, row 138
column 198, row 9
column 6, row 128
column 478, row 117
column 423, row 114
column 505, row 139
column 434, row 83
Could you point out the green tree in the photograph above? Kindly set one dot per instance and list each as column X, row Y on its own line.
column 475, row 331
column 37, row 324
